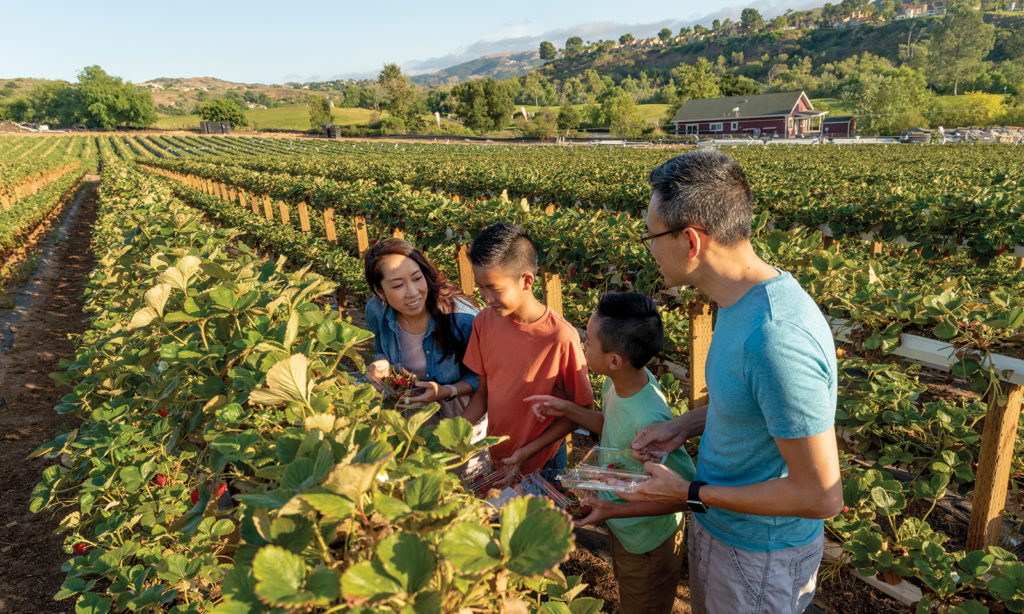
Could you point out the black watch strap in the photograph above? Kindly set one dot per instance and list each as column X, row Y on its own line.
column 693, row 498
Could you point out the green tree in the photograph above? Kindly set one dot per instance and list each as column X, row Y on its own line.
column 573, row 46
column 104, row 101
column 887, row 101
column 400, row 97
column 222, row 110
column 547, row 51
column 623, row 115
column 699, row 29
column 958, row 44
column 568, row 117
column 696, row 80
column 483, row 105
column 751, row 20
column 52, row 102
column 665, row 34
column 626, row 38
column 733, row 85
column 319, row 112
column 499, row 102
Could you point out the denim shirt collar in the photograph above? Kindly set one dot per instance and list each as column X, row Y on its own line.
column 391, row 317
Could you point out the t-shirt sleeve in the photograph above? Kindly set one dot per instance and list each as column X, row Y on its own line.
column 791, row 379
column 474, row 359
column 575, row 374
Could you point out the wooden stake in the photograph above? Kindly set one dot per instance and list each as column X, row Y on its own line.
column 397, row 233
column 553, row 292
column 466, row 280
column 876, row 248
column 993, row 474
column 827, row 242
column 254, row 204
column 241, row 199
column 332, row 235
column 268, row 209
column 303, row 216
column 233, row 195
column 1020, row 264
column 550, row 209
column 283, row 209
column 362, row 240
column 700, row 342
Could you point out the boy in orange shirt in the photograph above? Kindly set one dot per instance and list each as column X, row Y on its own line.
column 520, row 348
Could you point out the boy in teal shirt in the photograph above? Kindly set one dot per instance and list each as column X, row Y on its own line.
column 622, row 336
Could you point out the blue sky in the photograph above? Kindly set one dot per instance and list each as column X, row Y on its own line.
column 300, row 40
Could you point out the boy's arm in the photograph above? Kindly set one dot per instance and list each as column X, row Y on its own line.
column 555, row 431
column 603, row 509
column 477, row 406
column 544, row 405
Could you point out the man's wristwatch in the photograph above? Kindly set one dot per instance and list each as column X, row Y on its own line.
column 693, row 498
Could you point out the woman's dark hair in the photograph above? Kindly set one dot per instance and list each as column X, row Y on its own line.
column 441, row 294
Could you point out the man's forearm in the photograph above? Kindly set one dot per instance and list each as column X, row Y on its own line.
column 781, row 497
column 692, row 422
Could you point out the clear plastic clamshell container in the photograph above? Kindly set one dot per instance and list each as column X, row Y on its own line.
column 610, row 470
column 501, row 486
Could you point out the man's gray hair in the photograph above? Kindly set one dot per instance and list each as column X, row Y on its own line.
column 705, row 188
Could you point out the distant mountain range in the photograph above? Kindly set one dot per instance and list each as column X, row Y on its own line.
column 497, row 65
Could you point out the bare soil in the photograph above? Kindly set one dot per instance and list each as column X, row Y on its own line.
column 30, row 553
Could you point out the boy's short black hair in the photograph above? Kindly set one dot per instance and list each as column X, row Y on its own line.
column 506, row 246
column 629, row 324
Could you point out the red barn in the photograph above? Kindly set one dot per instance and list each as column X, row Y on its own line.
column 838, row 126
column 780, row 115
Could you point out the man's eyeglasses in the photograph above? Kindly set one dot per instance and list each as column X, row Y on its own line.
column 646, row 239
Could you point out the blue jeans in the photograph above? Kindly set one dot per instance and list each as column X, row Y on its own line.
column 557, row 465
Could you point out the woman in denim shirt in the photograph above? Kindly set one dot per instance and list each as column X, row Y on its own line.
column 422, row 323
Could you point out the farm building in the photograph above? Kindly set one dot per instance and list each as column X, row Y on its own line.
column 842, row 125
column 781, row 115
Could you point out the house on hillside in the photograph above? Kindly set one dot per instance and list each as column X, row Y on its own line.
column 779, row 115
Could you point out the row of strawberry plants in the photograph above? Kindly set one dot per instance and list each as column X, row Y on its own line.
column 960, row 301
column 25, row 216
column 883, row 414
column 935, row 197
column 227, row 462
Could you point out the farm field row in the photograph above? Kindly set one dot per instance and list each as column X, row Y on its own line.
column 331, row 498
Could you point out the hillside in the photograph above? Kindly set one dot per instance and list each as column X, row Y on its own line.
column 822, row 46
column 498, row 65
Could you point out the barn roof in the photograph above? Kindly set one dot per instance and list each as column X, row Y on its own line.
column 739, row 107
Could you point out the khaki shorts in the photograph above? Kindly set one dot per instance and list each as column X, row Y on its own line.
column 648, row 581
column 726, row 580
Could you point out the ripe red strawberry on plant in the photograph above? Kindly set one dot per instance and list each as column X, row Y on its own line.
column 79, row 548
column 194, row 496
column 161, row 480
column 162, row 413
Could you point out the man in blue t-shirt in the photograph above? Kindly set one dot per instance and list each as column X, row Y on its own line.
column 767, row 466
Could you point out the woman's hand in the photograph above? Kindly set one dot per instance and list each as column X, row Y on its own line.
column 545, row 406
column 377, row 371
column 432, row 391
column 665, row 486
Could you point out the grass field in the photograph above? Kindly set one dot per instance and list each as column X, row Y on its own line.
column 294, row 117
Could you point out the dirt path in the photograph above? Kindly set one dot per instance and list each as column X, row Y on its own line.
column 30, row 553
